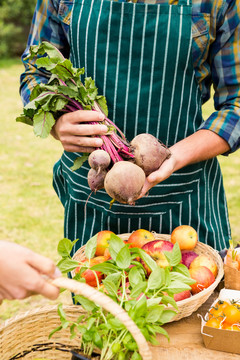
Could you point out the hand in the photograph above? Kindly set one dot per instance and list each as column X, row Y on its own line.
column 21, row 273
column 200, row 146
column 77, row 136
column 165, row 170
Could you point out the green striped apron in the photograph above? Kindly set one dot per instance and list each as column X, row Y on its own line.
column 140, row 57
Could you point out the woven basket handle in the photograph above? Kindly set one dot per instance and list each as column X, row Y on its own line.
column 111, row 306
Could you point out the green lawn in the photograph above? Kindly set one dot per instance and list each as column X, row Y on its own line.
column 31, row 213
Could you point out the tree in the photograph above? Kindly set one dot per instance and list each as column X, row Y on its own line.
column 15, row 21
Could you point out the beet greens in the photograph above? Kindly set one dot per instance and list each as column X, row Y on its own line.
column 63, row 93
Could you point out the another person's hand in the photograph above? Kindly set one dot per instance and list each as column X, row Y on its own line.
column 24, row 273
column 78, row 136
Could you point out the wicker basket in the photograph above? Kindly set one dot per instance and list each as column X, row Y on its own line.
column 26, row 336
column 188, row 306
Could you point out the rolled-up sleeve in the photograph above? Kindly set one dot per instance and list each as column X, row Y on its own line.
column 225, row 67
column 45, row 26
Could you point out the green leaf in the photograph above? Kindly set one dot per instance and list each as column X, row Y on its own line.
column 135, row 276
column 65, row 247
column 147, row 259
column 43, row 123
column 166, row 316
column 177, row 286
column 65, row 265
column 156, row 278
column 181, row 269
column 123, row 259
column 116, row 324
column 174, row 257
column 105, row 267
column 154, row 313
column 97, row 340
column 45, row 48
column 79, row 161
column 169, row 300
column 111, row 287
column 136, row 356
column 87, row 304
column 101, row 100
column 54, row 331
column 175, row 276
column 90, row 248
column 24, row 119
column 138, row 289
column 46, row 63
column 115, row 245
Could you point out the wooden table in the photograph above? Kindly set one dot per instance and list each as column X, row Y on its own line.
column 186, row 341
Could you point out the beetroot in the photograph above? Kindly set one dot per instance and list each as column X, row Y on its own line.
column 188, row 257
column 96, row 179
column 99, row 159
column 124, row 182
column 148, row 152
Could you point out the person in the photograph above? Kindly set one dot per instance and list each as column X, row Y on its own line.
column 23, row 273
column 156, row 62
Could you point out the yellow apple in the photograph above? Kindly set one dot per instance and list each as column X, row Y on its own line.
column 186, row 237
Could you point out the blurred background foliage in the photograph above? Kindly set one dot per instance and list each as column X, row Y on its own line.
column 15, row 22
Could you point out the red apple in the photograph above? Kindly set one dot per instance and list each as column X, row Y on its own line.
column 204, row 260
column 90, row 275
column 140, row 237
column 203, row 276
column 103, row 238
column 188, row 257
column 182, row 295
column 156, row 250
column 186, row 236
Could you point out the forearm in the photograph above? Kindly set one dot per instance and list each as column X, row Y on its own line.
column 200, row 146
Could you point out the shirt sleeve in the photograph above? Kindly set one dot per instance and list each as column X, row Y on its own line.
column 225, row 67
column 45, row 26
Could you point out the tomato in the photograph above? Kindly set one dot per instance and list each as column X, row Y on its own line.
column 233, row 327
column 216, row 312
column 222, row 304
column 232, row 314
column 214, row 323
column 218, row 309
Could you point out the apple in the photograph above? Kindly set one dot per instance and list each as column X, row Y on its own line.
column 139, row 238
column 90, row 275
column 203, row 276
column 186, row 236
column 204, row 260
column 103, row 238
column 188, row 257
column 182, row 295
column 156, row 250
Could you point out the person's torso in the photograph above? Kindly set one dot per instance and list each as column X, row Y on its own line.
column 205, row 17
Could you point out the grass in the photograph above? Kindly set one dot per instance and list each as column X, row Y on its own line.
column 31, row 213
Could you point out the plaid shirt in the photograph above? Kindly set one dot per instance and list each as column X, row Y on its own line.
column 215, row 53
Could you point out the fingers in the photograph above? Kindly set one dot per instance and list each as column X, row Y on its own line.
column 84, row 116
column 87, row 144
column 75, row 132
column 46, row 289
column 42, row 264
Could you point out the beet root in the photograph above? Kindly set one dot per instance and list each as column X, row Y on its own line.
column 124, row 182
column 149, row 153
column 96, row 179
column 99, row 159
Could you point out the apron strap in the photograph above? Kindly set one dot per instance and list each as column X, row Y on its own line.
column 185, row 2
